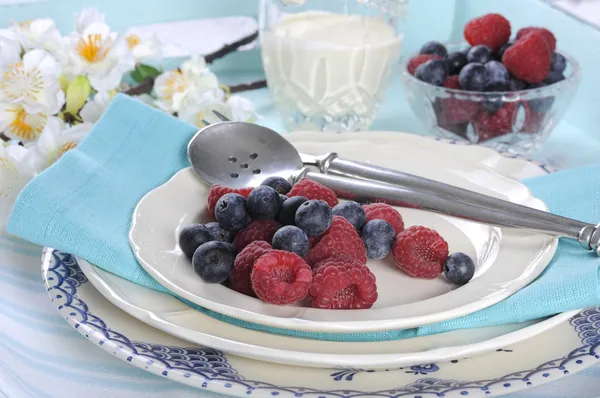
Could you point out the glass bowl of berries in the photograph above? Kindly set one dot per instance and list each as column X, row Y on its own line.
column 491, row 90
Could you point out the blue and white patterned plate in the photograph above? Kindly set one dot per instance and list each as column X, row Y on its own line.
column 563, row 350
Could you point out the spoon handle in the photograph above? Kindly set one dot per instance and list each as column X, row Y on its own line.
column 332, row 164
column 588, row 235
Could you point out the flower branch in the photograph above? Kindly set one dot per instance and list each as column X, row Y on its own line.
column 147, row 83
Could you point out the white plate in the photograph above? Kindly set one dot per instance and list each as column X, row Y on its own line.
column 565, row 349
column 507, row 259
column 170, row 315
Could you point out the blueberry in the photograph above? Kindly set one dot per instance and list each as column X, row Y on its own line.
column 501, row 51
column 378, row 236
column 473, row 77
column 434, row 71
column 191, row 237
column 434, row 47
column 516, row 84
column 459, row 268
column 287, row 213
column 213, row 262
column 455, row 61
column 280, row 184
column 480, row 54
column 283, row 198
column 352, row 212
column 498, row 77
column 314, row 217
column 231, row 213
column 554, row 77
column 558, row 63
column 217, row 233
column 263, row 203
column 291, row 239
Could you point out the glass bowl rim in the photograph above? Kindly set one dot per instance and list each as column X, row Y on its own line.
column 574, row 76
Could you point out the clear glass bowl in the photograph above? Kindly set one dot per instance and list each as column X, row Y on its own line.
column 525, row 122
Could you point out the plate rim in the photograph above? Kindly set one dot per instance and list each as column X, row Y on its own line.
column 296, row 323
column 366, row 361
column 154, row 360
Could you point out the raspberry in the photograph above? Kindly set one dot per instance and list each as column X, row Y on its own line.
column 452, row 82
column 490, row 125
column 492, row 30
column 546, row 34
column 242, row 268
column 280, row 277
column 456, row 111
column 342, row 286
column 342, row 259
column 313, row 190
column 415, row 62
column 420, row 252
column 383, row 211
column 340, row 240
column 529, row 58
column 256, row 230
column 216, row 191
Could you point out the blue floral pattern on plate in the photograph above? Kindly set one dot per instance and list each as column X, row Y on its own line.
column 63, row 278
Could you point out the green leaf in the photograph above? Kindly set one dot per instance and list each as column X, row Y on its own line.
column 143, row 72
column 148, row 71
column 78, row 93
column 137, row 76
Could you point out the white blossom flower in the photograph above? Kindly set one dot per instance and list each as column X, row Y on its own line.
column 95, row 107
column 242, row 109
column 174, row 87
column 198, row 110
column 143, row 49
column 101, row 55
column 13, row 177
column 53, row 143
column 40, row 34
column 10, row 48
column 33, row 83
column 87, row 17
column 16, row 123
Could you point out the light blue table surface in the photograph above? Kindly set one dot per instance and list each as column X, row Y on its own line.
column 26, row 335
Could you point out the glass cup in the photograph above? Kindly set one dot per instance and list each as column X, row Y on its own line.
column 328, row 63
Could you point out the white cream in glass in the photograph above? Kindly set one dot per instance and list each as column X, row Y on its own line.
column 328, row 63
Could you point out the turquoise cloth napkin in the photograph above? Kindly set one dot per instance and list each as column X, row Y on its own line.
column 83, row 205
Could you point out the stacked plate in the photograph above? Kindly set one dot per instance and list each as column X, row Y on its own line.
column 249, row 356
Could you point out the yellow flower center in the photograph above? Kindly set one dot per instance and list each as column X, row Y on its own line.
column 133, row 40
column 18, row 83
column 25, row 126
column 23, row 25
column 175, row 83
column 91, row 48
column 201, row 119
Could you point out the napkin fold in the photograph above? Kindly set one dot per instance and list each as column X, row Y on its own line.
column 83, row 205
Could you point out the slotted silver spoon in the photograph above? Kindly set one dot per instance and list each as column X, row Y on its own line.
column 238, row 155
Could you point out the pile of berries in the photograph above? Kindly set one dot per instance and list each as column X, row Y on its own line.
column 283, row 244
column 493, row 63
